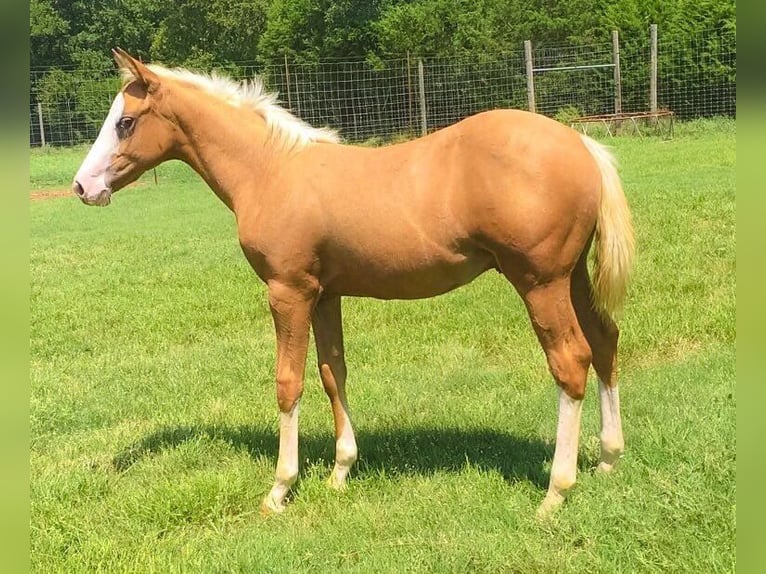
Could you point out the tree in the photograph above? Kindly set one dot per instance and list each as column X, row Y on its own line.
column 47, row 32
column 198, row 33
column 437, row 27
column 312, row 30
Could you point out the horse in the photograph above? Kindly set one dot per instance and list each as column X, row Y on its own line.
column 503, row 190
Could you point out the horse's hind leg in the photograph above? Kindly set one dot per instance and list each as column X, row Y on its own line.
column 569, row 357
column 601, row 333
column 328, row 333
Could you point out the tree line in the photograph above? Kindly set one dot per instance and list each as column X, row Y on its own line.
column 200, row 33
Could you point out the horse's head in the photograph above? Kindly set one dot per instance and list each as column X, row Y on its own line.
column 135, row 136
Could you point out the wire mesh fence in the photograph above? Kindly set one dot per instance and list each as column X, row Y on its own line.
column 699, row 77
column 696, row 78
column 574, row 79
column 360, row 100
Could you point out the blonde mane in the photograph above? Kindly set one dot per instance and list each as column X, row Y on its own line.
column 289, row 131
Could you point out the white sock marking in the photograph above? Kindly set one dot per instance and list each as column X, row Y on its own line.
column 612, row 442
column 564, row 469
column 287, row 462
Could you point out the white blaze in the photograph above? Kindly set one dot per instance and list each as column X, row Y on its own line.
column 92, row 173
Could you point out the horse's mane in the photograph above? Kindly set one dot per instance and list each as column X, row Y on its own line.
column 289, row 131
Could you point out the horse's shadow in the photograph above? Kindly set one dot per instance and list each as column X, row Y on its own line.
column 422, row 451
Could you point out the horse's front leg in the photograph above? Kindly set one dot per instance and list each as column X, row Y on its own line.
column 328, row 334
column 291, row 309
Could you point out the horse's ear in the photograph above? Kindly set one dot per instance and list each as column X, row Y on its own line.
column 133, row 69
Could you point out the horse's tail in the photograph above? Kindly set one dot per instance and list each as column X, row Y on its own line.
column 614, row 243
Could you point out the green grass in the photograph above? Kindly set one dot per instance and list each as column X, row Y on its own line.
column 153, row 415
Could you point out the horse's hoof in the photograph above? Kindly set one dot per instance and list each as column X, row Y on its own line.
column 550, row 504
column 336, row 484
column 337, row 480
column 269, row 507
column 604, row 467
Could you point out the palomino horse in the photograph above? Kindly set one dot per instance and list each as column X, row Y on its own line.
column 505, row 190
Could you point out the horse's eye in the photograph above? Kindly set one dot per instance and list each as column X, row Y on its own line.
column 125, row 126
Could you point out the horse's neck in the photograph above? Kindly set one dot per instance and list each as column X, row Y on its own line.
column 225, row 145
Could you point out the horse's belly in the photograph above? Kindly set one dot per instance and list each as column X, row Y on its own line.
column 404, row 277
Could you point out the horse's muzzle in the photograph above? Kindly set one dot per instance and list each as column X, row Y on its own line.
column 102, row 198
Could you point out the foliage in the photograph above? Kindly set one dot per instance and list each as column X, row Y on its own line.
column 198, row 33
column 266, row 30
column 314, row 30
column 567, row 114
column 437, row 27
column 47, row 33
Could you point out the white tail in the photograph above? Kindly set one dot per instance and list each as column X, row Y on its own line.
column 614, row 243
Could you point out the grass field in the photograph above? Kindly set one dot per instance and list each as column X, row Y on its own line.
column 154, row 420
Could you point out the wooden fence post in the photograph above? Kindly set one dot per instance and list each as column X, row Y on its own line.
column 617, row 76
column 653, row 70
column 530, row 75
column 40, row 120
column 297, row 93
column 617, row 79
column 287, row 80
column 421, row 82
column 409, row 94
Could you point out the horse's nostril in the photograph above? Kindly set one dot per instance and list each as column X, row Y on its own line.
column 77, row 188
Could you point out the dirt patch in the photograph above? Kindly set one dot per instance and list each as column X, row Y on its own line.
column 54, row 192
column 39, row 194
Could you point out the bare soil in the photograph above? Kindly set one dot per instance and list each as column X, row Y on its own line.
column 40, row 194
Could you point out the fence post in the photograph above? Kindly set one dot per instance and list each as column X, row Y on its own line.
column 421, row 82
column 617, row 79
column 297, row 94
column 287, row 79
column 409, row 94
column 653, row 72
column 40, row 120
column 617, row 76
column 530, row 75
